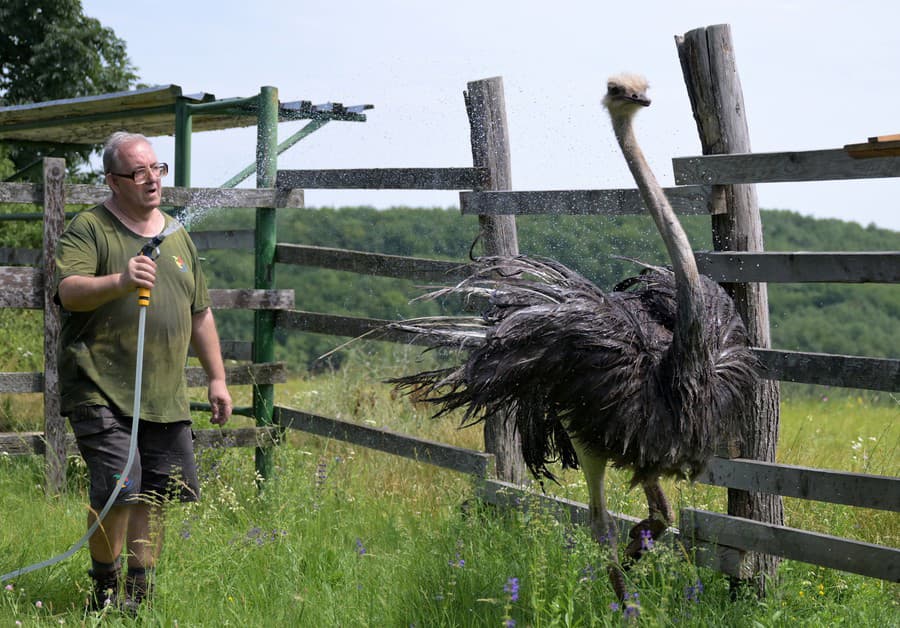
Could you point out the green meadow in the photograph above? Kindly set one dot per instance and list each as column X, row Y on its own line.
column 344, row 536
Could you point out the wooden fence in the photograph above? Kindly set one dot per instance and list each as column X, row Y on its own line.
column 720, row 540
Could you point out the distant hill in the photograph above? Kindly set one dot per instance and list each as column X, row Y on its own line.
column 829, row 318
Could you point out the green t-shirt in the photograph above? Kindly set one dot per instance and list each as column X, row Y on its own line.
column 98, row 349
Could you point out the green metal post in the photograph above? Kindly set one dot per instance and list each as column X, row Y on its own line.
column 183, row 130
column 264, row 276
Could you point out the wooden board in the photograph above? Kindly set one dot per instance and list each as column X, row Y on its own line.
column 371, row 263
column 234, row 299
column 773, row 267
column 815, row 165
column 33, row 443
column 419, row 449
column 836, row 487
column 686, row 200
column 809, row 547
column 831, row 370
column 241, row 374
column 882, row 146
column 384, row 178
column 21, row 287
column 199, row 198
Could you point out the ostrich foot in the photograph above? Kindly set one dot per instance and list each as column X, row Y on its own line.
column 617, row 579
column 642, row 536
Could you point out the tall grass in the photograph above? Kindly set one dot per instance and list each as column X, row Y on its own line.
column 347, row 536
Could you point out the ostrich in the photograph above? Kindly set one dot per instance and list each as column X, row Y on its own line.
column 651, row 376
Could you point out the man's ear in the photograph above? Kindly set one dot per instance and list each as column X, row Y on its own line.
column 112, row 183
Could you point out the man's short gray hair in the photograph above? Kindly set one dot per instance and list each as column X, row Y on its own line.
column 113, row 144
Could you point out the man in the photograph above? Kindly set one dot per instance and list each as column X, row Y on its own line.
column 98, row 272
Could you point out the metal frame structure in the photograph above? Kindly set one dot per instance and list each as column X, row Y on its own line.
column 164, row 110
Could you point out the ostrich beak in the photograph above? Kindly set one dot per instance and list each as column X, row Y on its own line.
column 638, row 99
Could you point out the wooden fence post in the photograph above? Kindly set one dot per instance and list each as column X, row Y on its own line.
column 710, row 74
column 54, row 424
column 486, row 108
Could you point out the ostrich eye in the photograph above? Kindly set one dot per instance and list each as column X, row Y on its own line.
column 615, row 90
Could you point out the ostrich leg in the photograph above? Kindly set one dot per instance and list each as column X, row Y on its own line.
column 660, row 518
column 603, row 527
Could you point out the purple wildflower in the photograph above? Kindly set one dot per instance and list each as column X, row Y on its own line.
column 632, row 609
column 509, row 623
column 321, row 472
column 512, row 588
column 692, row 594
column 360, row 548
column 646, row 540
column 614, row 606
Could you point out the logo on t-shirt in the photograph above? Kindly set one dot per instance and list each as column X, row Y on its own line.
column 180, row 263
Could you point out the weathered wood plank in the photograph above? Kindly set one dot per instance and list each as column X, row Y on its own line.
column 803, row 267
column 371, row 263
column 77, row 194
column 232, row 350
column 836, row 487
column 20, row 257
column 513, row 496
column 21, row 287
column 232, row 197
column 21, row 382
column 809, row 547
column 241, row 374
column 236, row 437
column 421, row 450
column 33, row 443
column 209, row 240
column 335, row 325
column 383, row 179
column 813, row 165
column 241, row 299
column 688, row 200
column 238, row 374
column 830, row 370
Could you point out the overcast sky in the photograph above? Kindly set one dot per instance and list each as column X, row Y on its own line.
column 816, row 74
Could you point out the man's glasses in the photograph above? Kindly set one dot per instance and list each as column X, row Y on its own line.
column 142, row 175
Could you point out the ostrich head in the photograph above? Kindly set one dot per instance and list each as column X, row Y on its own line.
column 626, row 94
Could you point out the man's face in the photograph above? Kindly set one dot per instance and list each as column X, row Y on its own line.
column 137, row 197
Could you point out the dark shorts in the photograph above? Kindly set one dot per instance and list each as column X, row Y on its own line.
column 163, row 466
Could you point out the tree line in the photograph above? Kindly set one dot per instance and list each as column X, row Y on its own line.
column 826, row 318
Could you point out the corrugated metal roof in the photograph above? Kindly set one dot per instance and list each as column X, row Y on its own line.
column 151, row 111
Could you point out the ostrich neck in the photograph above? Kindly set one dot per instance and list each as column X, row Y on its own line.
column 687, row 279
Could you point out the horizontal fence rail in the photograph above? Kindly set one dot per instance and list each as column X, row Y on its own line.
column 396, row 266
column 33, row 443
column 246, row 299
column 230, row 239
column 772, row 267
column 468, row 461
column 809, row 547
column 385, row 179
column 792, row 366
column 21, row 287
column 836, row 487
column 687, row 200
column 813, row 165
column 235, row 374
column 77, row 194
column 831, row 370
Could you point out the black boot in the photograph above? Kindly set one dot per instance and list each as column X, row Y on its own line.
column 106, row 585
column 138, row 588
